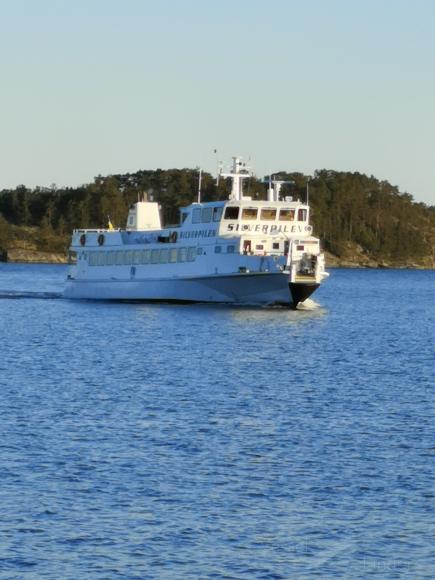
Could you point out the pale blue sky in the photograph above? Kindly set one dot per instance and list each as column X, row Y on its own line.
column 94, row 87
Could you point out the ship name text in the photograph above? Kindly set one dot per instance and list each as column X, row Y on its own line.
column 269, row 229
column 198, row 234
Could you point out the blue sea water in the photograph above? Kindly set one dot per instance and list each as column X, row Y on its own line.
column 161, row 441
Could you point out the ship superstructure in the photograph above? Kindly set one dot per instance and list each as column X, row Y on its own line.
column 238, row 251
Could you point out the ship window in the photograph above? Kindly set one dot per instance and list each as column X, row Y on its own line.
column 191, row 254
column 302, row 215
column 249, row 213
column 155, row 256
column 230, row 249
column 199, row 251
column 119, row 257
column 286, row 215
column 110, row 258
column 182, row 254
column 268, row 213
column 145, row 257
column 127, row 257
column 184, row 215
column 231, row 212
column 101, row 258
column 275, row 245
column 206, row 215
column 300, row 248
column 217, row 249
column 164, row 254
column 196, row 215
column 136, row 257
column 173, row 255
column 259, row 247
column 92, row 259
column 131, row 220
column 217, row 213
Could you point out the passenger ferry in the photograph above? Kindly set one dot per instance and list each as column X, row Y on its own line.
column 237, row 251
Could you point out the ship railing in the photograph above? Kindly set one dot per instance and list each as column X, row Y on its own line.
column 95, row 230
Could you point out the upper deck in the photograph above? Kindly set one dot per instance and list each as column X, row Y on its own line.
column 247, row 216
column 239, row 217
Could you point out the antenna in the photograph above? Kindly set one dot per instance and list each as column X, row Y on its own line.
column 275, row 187
column 308, row 189
column 199, row 184
column 219, row 167
column 238, row 173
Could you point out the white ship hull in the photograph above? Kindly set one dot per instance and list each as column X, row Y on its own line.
column 253, row 288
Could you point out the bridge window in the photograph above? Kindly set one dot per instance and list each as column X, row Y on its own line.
column 191, row 254
column 196, row 215
column 206, row 215
column 249, row 213
column 268, row 213
column 286, row 215
column 302, row 215
column 231, row 212
column 217, row 249
column 217, row 213
column 136, row 257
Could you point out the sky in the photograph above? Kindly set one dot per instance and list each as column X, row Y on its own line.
column 97, row 87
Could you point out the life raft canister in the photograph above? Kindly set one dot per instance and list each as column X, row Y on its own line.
column 173, row 237
column 100, row 240
column 83, row 239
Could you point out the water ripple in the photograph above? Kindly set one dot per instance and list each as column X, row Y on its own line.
column 158, row 441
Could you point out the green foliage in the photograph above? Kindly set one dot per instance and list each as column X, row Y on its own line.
column 5, row 234
column 352, row 207
column 346, row 208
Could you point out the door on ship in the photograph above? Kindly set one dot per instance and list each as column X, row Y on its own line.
column 286, row 247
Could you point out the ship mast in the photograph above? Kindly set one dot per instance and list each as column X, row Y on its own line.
column 274, row 189
column 238, row 174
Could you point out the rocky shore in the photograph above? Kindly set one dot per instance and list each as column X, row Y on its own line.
column 333, row 261
column 34, row 257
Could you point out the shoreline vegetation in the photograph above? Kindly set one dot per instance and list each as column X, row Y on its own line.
column 362, row 222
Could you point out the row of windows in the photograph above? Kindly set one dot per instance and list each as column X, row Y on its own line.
column 205, row 215
column 157, row 256
column 230, row 249
column 266, row 213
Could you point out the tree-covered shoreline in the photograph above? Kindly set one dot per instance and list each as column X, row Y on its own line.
column 357, row 217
